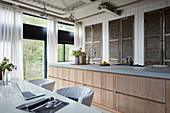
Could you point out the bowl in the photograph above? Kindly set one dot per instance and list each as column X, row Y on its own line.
column 104, row 64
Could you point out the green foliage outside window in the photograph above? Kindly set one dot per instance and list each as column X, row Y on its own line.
column 33, row 59
column 34, row 20
column 68, row 52
column 65, row 27
column 60, row 52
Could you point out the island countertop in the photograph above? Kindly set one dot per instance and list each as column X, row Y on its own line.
column 147, row 71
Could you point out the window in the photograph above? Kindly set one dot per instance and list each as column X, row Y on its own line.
column 121, row 34
column 65, row 27
column 93, row 37
column 32, row 20
column 34, row 47
column 65, row 42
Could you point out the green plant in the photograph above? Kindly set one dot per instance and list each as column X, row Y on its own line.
column 76, row 53
column 7, row 66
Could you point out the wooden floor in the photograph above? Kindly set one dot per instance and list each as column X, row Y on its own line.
column 99, row 109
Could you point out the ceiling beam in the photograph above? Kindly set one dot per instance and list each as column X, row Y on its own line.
column 83, row 6
column 64, row 3
column 135, row 4
column 129, row 3
column 36, row 12
column 90, row 16
column 23, row 4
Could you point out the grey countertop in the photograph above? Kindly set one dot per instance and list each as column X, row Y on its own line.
column 147, row 71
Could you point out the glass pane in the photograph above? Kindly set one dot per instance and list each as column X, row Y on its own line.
column 60, row 52
column 34, row 21
column 68, row 52
column 33, row 53
column 66, row 27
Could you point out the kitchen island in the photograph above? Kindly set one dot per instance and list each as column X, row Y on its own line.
column 127, row 89
column 148, row 71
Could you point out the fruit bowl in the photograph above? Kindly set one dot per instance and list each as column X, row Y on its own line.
column 104, row 64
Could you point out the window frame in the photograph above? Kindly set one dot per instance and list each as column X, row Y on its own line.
column 64, row 53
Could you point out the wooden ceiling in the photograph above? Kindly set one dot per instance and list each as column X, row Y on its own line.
column 79, row 8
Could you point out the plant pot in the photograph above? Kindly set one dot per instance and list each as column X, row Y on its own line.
column 76, row 59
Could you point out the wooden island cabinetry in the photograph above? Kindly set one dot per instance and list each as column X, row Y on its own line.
column 117, row 92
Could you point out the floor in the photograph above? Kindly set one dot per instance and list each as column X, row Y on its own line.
column 99, row 109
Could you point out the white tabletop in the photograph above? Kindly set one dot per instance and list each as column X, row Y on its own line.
column 9, row 100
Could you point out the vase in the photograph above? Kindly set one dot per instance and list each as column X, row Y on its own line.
column 76, row 60
column 81, row 59
column 1, row 81
column 5, row 77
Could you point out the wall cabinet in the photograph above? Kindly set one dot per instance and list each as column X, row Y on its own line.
column 121, row 34
column 117, row 92
column 93, row 39
column 157, row 37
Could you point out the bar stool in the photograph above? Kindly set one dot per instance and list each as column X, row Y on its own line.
column 45, row 83
column 82, row 95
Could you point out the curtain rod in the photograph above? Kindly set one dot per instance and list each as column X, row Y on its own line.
column 34, row 13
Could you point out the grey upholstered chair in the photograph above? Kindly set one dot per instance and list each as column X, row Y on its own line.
column 83, row 95
column 45, row 83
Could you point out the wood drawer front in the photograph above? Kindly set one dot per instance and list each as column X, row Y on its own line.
column 74, row 84
column 67, row 84
column 76, row 75
column 148, row 88
column 128, row 104
column 168, row 96
column 50, row 71
column 66, row 73
column 103, row 97
column 58, row 84
column 57, row 72
column 99, row 79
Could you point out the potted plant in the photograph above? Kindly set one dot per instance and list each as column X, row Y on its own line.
column 5, row 68
column 76, row 55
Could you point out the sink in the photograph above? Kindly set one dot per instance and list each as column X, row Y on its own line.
column 129, row 65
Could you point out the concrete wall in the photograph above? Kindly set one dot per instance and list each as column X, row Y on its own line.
column 138, row 13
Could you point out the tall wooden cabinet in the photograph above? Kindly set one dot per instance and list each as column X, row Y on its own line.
column 121, row 34
column 93, row 39
column 117, row 92
column 157, row 37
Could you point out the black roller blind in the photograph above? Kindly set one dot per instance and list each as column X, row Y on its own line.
column 65, row 37
column 34, row 32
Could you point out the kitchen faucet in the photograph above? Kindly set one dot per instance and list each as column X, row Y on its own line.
column 94, row 54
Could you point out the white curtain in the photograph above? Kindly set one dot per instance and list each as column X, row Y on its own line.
column 77, row 36
column 11, row 36
column 52, row 42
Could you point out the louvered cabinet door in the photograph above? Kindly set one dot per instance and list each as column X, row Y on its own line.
column 167, row 37
column 153, row 38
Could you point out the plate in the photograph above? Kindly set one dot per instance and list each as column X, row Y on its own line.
column 104, row 64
